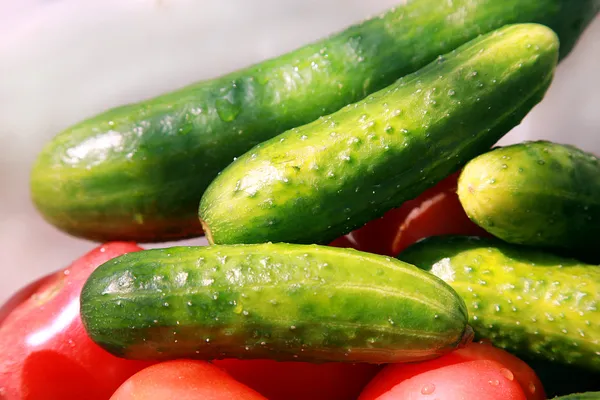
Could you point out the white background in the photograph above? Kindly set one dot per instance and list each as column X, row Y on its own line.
column 64, row 60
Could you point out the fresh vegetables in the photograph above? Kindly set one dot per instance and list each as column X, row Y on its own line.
column 300, row 380
column 45, row 352
column 529, row 302
column 184, row 380
column 480, row 379
column 354, row 143
column 385, row 383
column 436, row 211
column 314, row 183
column 536, row 193
column 276, row 301
column 138, row 172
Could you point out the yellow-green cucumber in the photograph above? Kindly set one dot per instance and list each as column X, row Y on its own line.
column 275, row 301
column 137, row 172
column 532, row 303
column 313, row 183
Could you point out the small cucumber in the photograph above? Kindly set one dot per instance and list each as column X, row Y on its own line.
column 314, row 183
column 137, row 172
column 535, row 193
column 580, row 396
column 534, row 304
column 276, row 301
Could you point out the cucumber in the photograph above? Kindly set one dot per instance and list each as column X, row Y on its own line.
column 580, row 396
column 137, row 172
column 313, row 183
column 275, row 301
column 535, row 193
column 534, row 304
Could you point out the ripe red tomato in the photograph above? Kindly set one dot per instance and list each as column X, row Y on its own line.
column 46, row 353
column 184, row 380
column 20, row 296
column 512, row 367
column 480, row 379
column 300, row 380
column 524, row 374
column 437, row 211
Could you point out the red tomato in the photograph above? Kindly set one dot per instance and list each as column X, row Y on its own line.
column 480, row 379
column 524, row 374
column 437, row 211
column 20, row 296
column 394, row 374
column 184, row 380
column 46, row 353
column 300, row 380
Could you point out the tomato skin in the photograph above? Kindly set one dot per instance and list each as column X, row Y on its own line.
column 394, row 374
column 184, row 380
column 46, row 353
column 20, row 296
column 300, row 380
column 524, row 374
column 480, row 379
column 436, row 211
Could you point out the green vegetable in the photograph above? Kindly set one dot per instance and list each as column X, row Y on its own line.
column 580, row 396
column 533, row 304
column 276, row 301
column 535, row 193
column 138, row 172
column 314, row 183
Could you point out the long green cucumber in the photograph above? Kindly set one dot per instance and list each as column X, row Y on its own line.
column 532, row 303
column 314, row 183
column 138, row 172
column 536, row 193
column 276, row 301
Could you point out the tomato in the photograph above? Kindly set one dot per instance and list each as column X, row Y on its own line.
column 394, row 374
column 480, row 379
column 300, row 380
column 437, row 211
column 184, row 380
column 20, row 296
column 46, row 353
column 524, row 374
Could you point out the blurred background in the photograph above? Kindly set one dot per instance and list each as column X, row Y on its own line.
column 62, row 61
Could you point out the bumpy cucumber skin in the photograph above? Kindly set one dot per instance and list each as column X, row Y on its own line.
column 314, row 183
column 276, row 301
column 138, row 172
column 535, row 193
column 532, row 303
column 580, row 396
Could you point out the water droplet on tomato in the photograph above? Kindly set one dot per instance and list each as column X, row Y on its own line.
column 494, row 382
column 531, row 387
column 507, row 374
column 428, row 388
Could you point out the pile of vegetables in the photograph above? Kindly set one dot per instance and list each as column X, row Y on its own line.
column 366, row 239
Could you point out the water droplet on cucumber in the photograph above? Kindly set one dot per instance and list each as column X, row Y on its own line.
column 226, row 109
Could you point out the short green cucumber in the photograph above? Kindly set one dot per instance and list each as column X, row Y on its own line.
column 580, row 396
column 276, row 301
column 535, row 193
column 138, row 172
column 316, row 182
column 535, row 304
